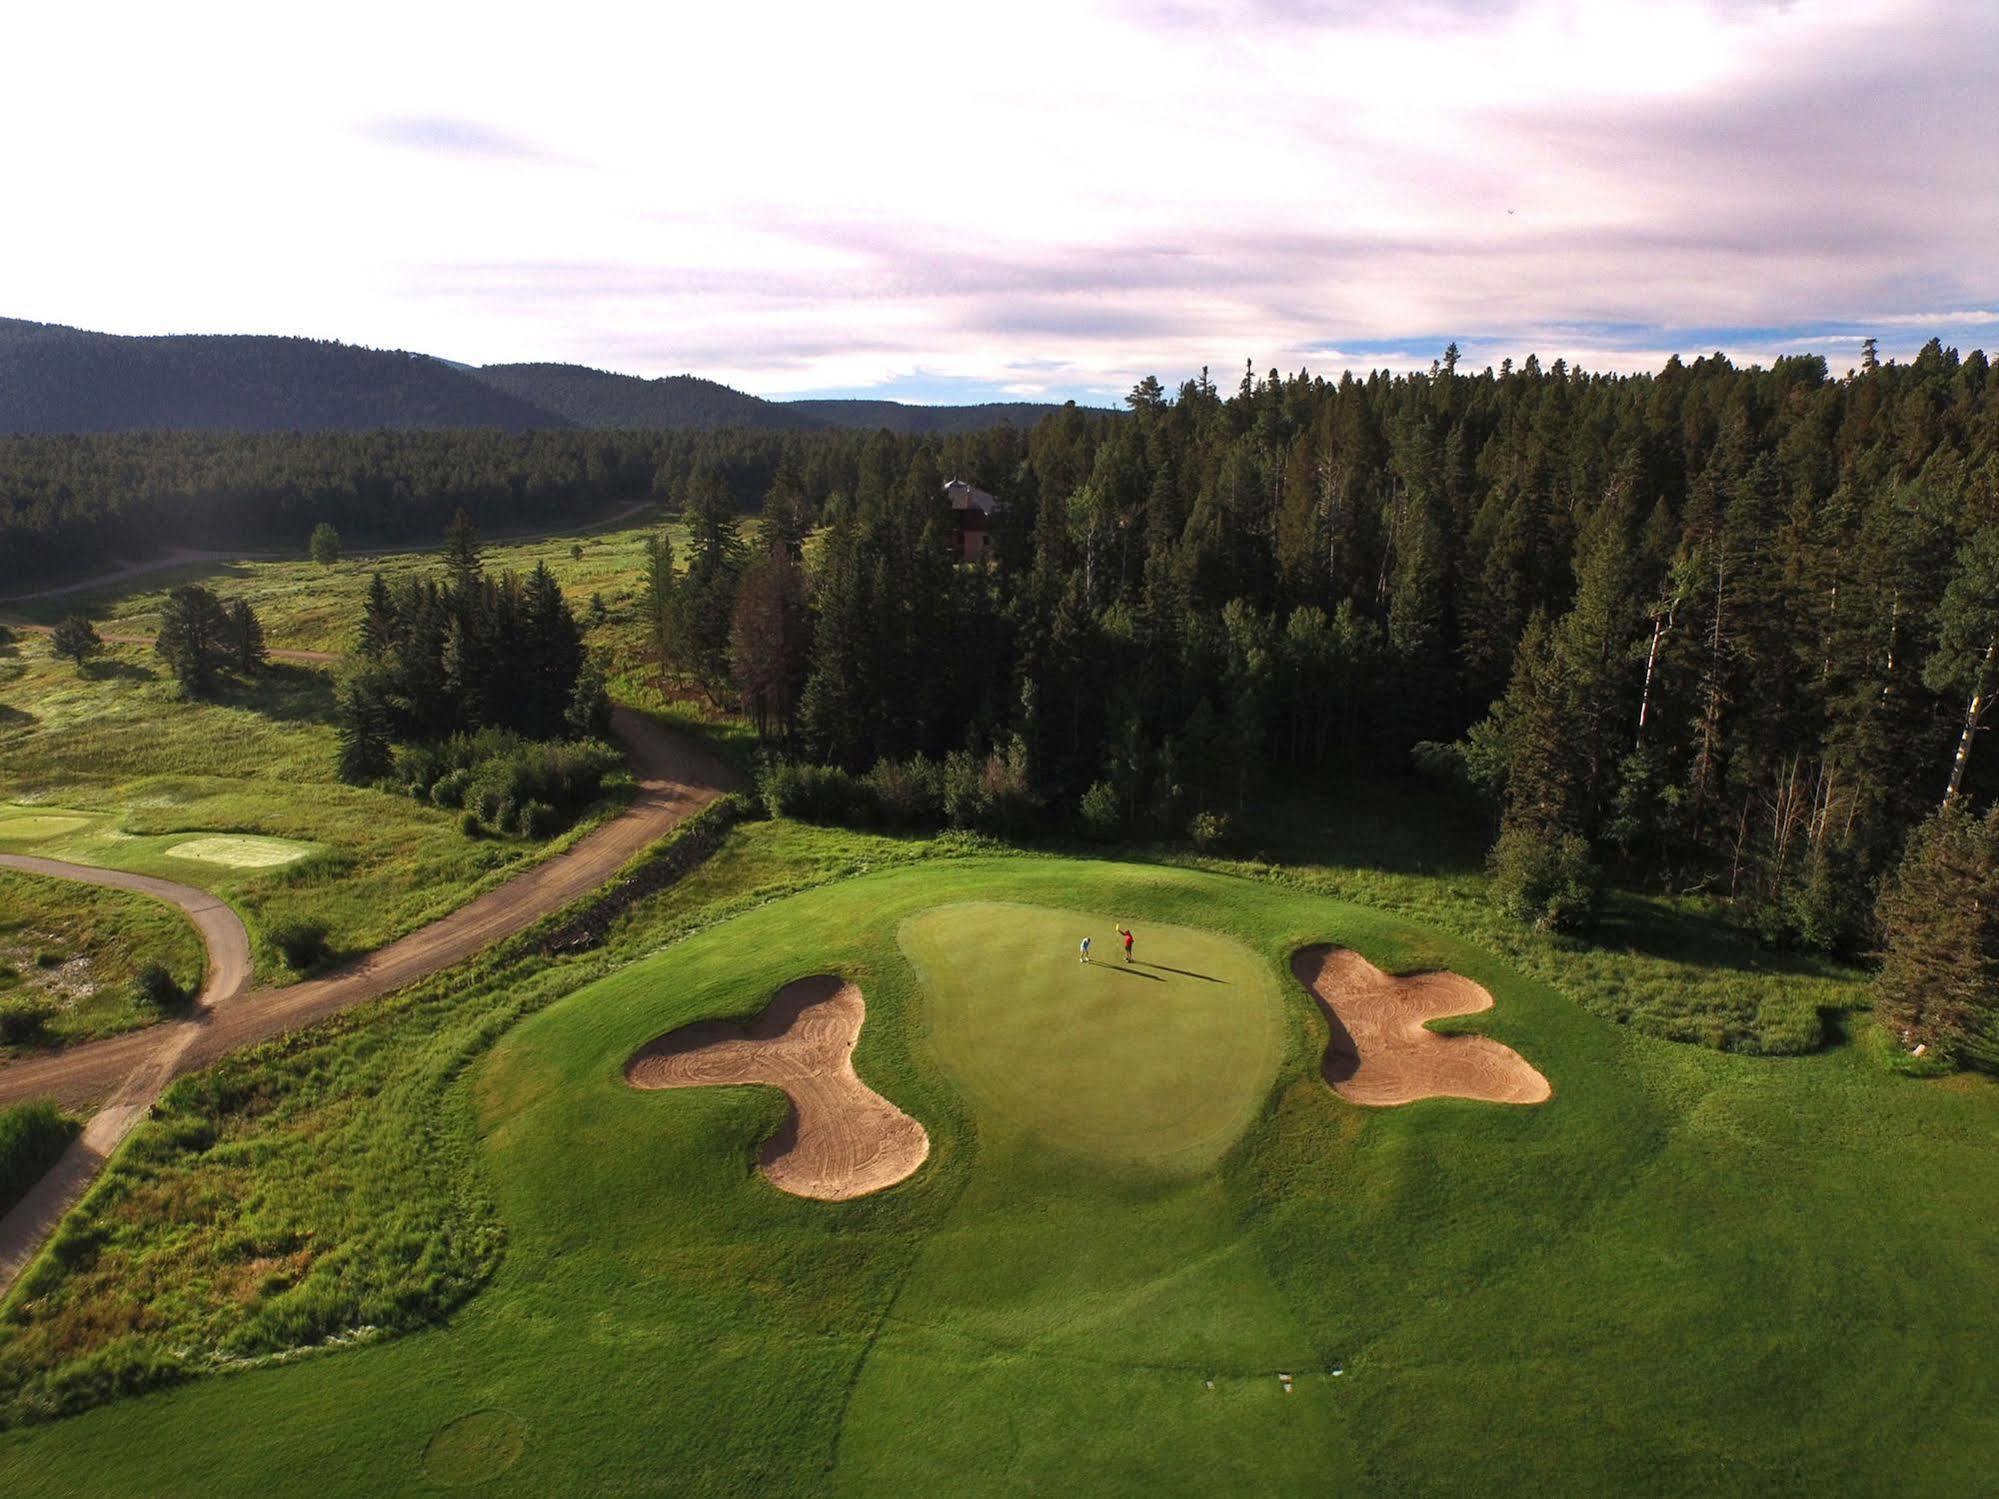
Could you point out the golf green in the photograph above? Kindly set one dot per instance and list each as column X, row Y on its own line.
column 1161, row 1062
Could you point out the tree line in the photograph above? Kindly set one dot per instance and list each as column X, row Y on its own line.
column 75, row 504
column 1717, row 630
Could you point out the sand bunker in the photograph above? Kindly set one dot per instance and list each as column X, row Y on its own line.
column 843, row 1139
column 1380, row 1053
column 241, row 851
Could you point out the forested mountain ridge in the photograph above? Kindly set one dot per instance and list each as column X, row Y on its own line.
column 599, row 398
column 587, row 397
column 906, row 420
column 57, row 379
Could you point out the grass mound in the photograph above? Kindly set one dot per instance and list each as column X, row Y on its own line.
column 475, row 1448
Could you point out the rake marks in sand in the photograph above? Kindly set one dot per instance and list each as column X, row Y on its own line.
column 1381, row 1054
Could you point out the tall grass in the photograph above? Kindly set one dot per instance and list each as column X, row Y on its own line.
column 32, row 1136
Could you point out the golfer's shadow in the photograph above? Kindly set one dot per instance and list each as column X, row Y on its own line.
column 1128, row 972
column 1185, row 973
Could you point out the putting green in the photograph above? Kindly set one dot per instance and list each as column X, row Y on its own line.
column 33, row 827
column 241, row 851
column 1162, row 1063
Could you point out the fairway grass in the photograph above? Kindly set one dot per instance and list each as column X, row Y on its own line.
column 1687, row 1273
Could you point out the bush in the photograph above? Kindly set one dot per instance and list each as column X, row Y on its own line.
column 469, row 824
column 300, row 943
column 156, row 987
column 32, row 1136
column 417, row 768
column 1549, row 880
column 536, row 819
column 24, row 1019
column 448, row 790
column 1208, row 829
column 906, row 793
column 1102, row 816
column 809, row 793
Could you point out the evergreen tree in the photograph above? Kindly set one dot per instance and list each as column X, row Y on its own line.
column 1939, row 982
column 75, row 639
column 361, row 722
column 193, row 638
column 244, row 636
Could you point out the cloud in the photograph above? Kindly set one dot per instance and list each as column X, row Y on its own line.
column 1059, row 197
column 442, row 135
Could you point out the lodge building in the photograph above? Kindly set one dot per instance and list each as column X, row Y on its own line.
column 973, row 514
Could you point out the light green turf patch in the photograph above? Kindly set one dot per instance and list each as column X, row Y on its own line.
column 241, row 851
column 32, row 827
column 1161, row 1062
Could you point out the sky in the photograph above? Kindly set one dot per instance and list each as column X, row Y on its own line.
column 1012, row 201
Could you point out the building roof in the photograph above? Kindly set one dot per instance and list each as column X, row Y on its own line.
column 967, row 496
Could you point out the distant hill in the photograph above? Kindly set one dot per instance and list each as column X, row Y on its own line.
column 921, row 420
column 56, row 379
column 585, row 397
column 598, row 398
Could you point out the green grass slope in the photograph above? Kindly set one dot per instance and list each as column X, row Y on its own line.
column 1687, row 1273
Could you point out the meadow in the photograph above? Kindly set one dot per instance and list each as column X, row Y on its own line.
column 110, row 766
column 1690, row 1271
column 70, row 956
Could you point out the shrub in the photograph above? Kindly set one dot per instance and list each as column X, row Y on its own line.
column 809, row 793
column 156, row 987
column 1549, row 880
column 32, row 1136
column 906, row 793
column 1208, row 829
column 300, row 943
column 417, row 768
column 536, row 819
column 469, row 824
column 448, row 790
column 1102, row 816
column 24, row 1019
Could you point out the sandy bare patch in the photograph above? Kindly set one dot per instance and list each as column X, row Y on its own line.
column 1380, row 1053
column 843, row 1139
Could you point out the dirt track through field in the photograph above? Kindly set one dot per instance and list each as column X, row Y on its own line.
column 125, row 1074
column 1381, row 1054
column 843, row 1139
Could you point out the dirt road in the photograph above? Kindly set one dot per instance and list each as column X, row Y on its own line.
column 125, row 1074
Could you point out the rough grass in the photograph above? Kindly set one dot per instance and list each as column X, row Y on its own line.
column 74, row 951
column 149, row 772
column 305, row 607
column 1666, row 966
column 1668, row 1279
column 32, row 1136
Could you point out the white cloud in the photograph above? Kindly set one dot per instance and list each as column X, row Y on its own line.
column 1038, row 197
